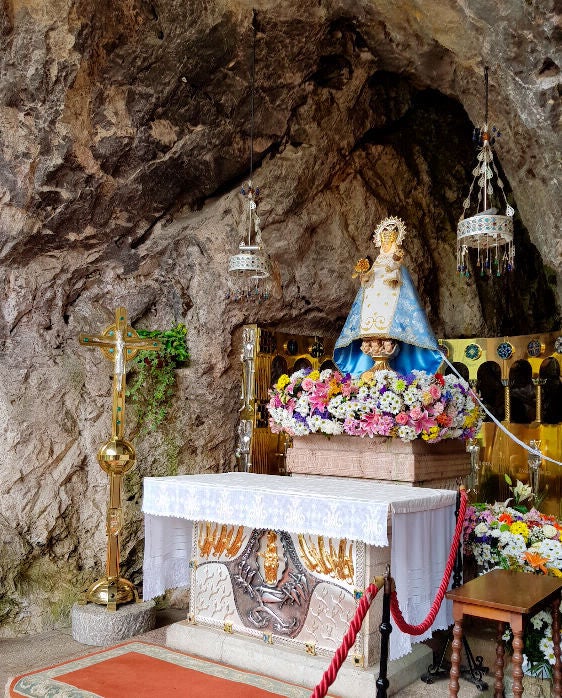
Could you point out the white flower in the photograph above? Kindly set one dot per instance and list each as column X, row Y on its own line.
column 551, row 550
column 550, row 531
column 541, row 617
column 516, row 547
column 481, row 529
column 412, row 397
column 389, row 402
column 315, row 423
column 303, row 405
column 546, row 646
column 406, row 433
column 521, row 491
column 325, row 374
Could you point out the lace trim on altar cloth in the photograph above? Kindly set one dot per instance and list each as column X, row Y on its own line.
column 328, row 506
column 420, row 547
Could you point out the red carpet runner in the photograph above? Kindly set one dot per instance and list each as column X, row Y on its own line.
column 140, row 670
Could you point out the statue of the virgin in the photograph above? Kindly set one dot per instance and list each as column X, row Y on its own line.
column 386, row 326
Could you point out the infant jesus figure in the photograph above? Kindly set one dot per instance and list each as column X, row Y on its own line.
column 381, row 350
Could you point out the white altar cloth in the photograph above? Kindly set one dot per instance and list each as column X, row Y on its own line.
column 422, row 521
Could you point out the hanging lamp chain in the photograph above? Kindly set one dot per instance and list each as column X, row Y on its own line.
column 252, row 89
column 486, row 94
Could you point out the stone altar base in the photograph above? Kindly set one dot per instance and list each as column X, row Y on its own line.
column 95, row 625
column 415, row 463
column 287, row 664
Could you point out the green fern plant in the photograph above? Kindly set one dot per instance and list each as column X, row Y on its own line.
column 153, row 379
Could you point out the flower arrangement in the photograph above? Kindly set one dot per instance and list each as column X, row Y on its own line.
column 417, row 405
column 517, row 538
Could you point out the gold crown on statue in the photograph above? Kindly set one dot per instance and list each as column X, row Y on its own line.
column 388, row 228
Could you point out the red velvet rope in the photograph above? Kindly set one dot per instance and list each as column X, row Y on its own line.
column 428, row 622
column 331, row 672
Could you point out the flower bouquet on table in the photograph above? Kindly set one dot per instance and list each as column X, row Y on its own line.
column 510, row 535
column 418, row 405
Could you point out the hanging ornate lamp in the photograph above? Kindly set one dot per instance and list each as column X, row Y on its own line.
column 250, row 268
column 486, row 231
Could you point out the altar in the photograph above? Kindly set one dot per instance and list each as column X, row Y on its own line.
column 286, row 560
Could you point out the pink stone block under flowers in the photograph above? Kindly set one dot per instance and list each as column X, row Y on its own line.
column 418, row 405
column 515, row 537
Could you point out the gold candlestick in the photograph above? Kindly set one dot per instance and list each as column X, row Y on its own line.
column 119, row 343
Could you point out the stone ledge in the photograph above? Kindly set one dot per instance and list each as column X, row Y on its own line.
column 289, row 665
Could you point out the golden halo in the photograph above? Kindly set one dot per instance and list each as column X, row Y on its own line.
column 388, row 224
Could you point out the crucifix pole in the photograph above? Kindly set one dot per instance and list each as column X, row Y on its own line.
column 119, row 343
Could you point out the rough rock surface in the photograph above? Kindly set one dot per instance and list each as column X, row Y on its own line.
column 123, row 134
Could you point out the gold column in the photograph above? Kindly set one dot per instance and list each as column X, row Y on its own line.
column 507, row 399
column 538, row 383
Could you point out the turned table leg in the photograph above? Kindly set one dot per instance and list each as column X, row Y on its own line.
column 456, row 652
column 557, row 672
column 500, row 652
column 517, row 659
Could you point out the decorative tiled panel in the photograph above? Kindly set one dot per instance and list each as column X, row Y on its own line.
column 297, row 590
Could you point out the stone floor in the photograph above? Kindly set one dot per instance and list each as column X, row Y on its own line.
column 24, row 654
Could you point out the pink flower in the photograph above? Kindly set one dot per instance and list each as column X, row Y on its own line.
column 402, row 419
column 337, row 376
column 437, row 409
column 416, row 413
column 385, row 425
column 307, row 384
column 290, row 406
column 351, row 426
column 435, row 391
column 346, row 389
column 319, row 399
column 370, row 423
column 425, row 422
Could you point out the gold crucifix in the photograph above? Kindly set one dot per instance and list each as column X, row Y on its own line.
column 119, row 343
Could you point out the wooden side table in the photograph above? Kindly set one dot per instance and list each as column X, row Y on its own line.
column 508, row 597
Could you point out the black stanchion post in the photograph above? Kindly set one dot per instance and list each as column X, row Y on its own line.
column 457, row 569
column 385, row 629
column 440, row 667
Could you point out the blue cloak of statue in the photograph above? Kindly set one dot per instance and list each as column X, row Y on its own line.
column 409, row 326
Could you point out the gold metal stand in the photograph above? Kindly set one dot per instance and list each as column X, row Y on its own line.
column 119, row 343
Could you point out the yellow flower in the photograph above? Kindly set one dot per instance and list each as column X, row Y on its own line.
column 314, row 375
column 334, row 389
column 426, row 398
column 520, row 528
column 283, row 381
